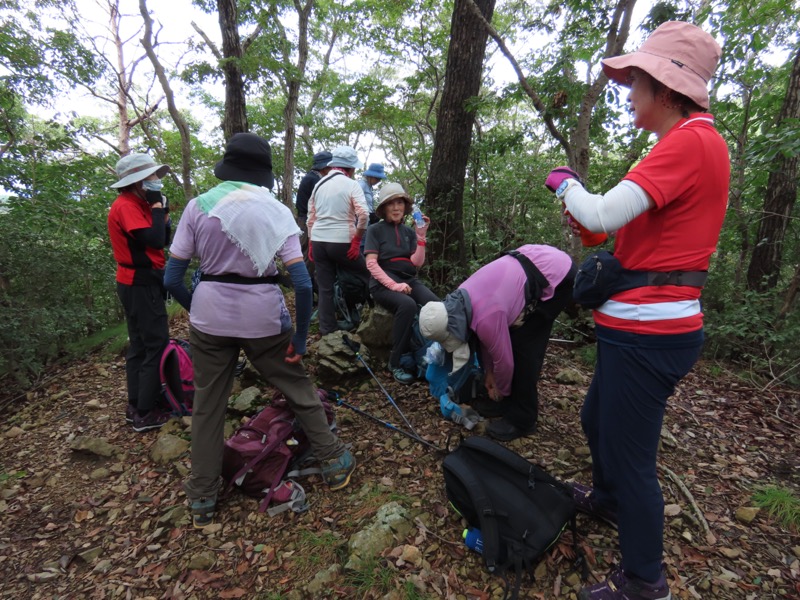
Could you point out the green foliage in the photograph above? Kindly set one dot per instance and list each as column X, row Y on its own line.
column 56, row 268
column 11, row 476
column 373, row 80
column 741, row 327
column 781, row 504
column 375, row 576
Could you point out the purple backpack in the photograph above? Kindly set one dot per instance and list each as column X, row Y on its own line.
column 264, row 453
column 177, row 377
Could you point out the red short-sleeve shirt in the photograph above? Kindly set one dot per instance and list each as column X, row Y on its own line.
column 129, row 213
column 687, row 175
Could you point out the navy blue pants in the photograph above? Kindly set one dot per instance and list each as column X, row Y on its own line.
column 621, row 417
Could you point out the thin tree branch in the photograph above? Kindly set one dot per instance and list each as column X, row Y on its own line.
column 211, row 45
column 537, row 101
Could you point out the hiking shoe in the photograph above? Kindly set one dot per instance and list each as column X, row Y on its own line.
column 153, row 419
column 502, row 430
column 130, row 413
column 402, row 376
column 489, row 409
column 585, row 502
column 203, row 512
column 620, row 587
column 336, row 473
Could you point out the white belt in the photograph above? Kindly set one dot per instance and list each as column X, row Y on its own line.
column 657, row 311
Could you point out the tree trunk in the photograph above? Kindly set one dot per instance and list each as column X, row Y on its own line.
column 292, row 100
column 235, row 119
column 445, row 187
column 124, row 135
column 618, row 30
column 765, row 264
column 576, row 145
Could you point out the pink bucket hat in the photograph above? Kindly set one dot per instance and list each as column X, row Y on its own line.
column 680, row 55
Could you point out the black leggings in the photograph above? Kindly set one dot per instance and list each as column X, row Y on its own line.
column 528, row 346
column 148, row 334
column 404, row 307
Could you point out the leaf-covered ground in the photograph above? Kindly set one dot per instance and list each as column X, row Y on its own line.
column 77, row 526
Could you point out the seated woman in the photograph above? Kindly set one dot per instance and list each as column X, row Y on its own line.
column 394, row 252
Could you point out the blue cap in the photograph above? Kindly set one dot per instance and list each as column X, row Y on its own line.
column 375, row 170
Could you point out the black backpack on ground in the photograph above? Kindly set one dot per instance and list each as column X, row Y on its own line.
column 520, row 509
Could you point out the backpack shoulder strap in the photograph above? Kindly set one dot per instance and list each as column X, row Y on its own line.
column 536, row 281
column 321, row 182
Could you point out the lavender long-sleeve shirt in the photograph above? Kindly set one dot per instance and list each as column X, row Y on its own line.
column 497, row 294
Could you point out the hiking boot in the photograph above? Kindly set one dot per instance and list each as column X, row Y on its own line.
column 504, row 431
column 402, row 376
column 130, row 413
column 336, row 472
column 153, row 419
column 585, row 502
column 489, row 409
column 620, row 587
column 203, row 512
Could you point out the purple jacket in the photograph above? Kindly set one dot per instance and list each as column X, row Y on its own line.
column 497, row 294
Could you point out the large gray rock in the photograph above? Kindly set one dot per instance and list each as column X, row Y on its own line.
column 392, row 524
column 167, row 448
column 336, row 360
column 375, row 332
column 94, row 446
column 247, row 402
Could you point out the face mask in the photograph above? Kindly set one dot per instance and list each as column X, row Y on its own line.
column 152, row 185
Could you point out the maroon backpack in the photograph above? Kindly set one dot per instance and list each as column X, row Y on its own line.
column 268, row 449
column 177, row 377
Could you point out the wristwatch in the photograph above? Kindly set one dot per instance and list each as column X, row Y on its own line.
column 562, row 189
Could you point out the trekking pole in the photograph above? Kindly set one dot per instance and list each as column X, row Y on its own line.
column 354, row 346
column 386, row 424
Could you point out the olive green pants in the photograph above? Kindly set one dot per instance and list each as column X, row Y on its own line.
column 214, row 359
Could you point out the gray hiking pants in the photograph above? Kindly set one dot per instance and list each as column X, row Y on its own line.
column 214, row 358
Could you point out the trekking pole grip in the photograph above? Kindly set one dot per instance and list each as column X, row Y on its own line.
column 350, row 343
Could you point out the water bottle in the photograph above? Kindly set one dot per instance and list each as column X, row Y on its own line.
column 434, row 355
column 416, row 214
column 473, row 539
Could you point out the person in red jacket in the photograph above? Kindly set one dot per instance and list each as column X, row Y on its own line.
column 666, row 215
column 138, row 226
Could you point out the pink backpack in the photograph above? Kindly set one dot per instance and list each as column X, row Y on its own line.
column 266, row 452
column 177, row 377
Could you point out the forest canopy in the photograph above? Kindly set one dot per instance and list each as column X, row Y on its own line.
column 83, row 82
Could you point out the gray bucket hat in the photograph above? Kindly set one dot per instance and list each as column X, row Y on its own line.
column 345, row 156
column 136, row 167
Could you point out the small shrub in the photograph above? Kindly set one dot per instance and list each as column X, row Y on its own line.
column 781, row 504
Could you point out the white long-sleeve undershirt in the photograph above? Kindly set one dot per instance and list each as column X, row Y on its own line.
column 606, row 212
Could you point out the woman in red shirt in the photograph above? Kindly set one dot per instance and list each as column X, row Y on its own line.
column 666, row 215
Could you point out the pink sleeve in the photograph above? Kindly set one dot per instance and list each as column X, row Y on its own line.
column 380, row 275
column 359, row 208
column 418, row 258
